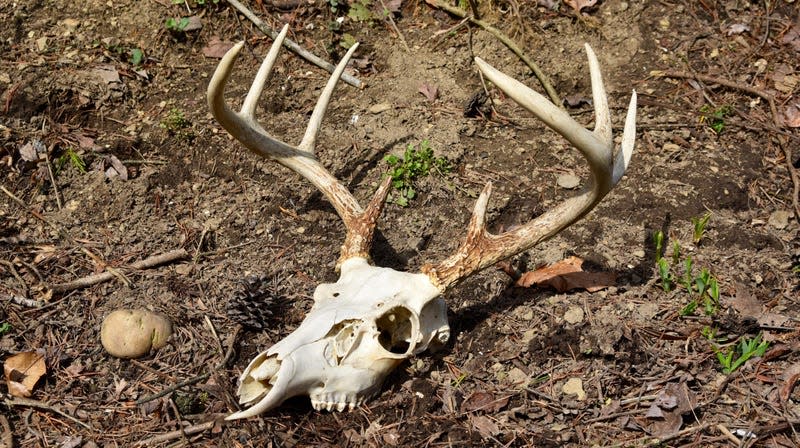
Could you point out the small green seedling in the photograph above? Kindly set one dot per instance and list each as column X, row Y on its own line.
column 415, row 163
column 715, row 117
column 177, row 24
column 733, row 358
column 5, row 327
column 700, row 227
column 176, row 124
column 74, row 160
column 658, row 239
column 137, row 56
column 665, row 274
column 360, row 11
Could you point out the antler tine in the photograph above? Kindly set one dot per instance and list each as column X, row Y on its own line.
column 480, row 248
column 310, row 137
column 243, row 126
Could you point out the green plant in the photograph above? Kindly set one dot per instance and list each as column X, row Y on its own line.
column 715, row 117
column 733, row 357
column 137, row 56
column 666, row 274
column 5, row 327
column 700, row 227
column 658, row 240
column 176, row 124
column 360, row 11
column 73, row 158
column 176, row 24
column 415, row 163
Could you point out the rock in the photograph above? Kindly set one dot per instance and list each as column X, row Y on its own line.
column 568, row 181
column 378, row 108
column 779, row 219
column 574, row 315
column 133, row 333
column 574, row 386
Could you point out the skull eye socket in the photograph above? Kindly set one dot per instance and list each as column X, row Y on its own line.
column 396, row 328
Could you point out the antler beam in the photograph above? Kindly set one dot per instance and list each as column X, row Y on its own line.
column 482, row 249
column 360, row 223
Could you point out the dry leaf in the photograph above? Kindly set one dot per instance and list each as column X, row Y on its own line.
column 744, row 302
column 792, row 115
column 578, row 5
column 790, row 377
column 216, row 48
column 566, row 275
column 665, row 415
column 430, row 91
column 22, row 371
column 107, row 73
column 486, row 426
column 483, row 401
column 393, row 6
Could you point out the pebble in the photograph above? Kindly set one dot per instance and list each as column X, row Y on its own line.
column 779, row 219
column 568, row 181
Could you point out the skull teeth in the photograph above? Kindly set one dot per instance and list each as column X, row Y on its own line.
column 334, row 404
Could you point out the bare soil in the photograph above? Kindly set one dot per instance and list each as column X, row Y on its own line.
column 623, row 366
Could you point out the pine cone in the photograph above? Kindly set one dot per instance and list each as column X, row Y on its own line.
column 255, row 304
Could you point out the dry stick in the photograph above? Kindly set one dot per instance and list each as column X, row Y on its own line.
column 18, row 401
column 178, row 433
column 8, row 438
column 394, row 25
column 106, row 276
column 787, row 152
column 551, row 92
column 198, row 378
column 292, row 45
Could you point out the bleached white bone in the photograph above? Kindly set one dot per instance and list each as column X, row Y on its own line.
column 361, row 327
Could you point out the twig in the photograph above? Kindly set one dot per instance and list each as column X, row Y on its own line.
column 198, row 378
column 394, row 26
column 30, row 303
column 545, row 82
column 8, row 438
column 174, row 387
column 188, row 431
column 730, row 84
column 106, row 276
column 62, row 232
column 18, row 401
column 292, row 45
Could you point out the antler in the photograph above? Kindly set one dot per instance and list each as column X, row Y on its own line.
column 360, row 223
column 481, row 249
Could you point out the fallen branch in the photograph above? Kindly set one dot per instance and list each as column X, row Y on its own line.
column 294, row 46
column 106, row 276
column 27, row 402
column 188, row 431
column 543, row 80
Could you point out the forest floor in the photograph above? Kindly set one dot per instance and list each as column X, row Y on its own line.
column 109, row 156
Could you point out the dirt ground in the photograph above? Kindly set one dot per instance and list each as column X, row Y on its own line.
column 109, row 155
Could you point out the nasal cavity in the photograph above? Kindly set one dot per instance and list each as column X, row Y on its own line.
column 396, row 330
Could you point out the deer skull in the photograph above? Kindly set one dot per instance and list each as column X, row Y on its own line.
column 364, row 325
column 359, row 329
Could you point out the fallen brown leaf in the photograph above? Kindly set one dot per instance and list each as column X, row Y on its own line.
column 566, row 275
column 22, row 371
column 578, row 5
column 483, row 401
column 485, row 426
column 216, row 48
column 430, row 91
